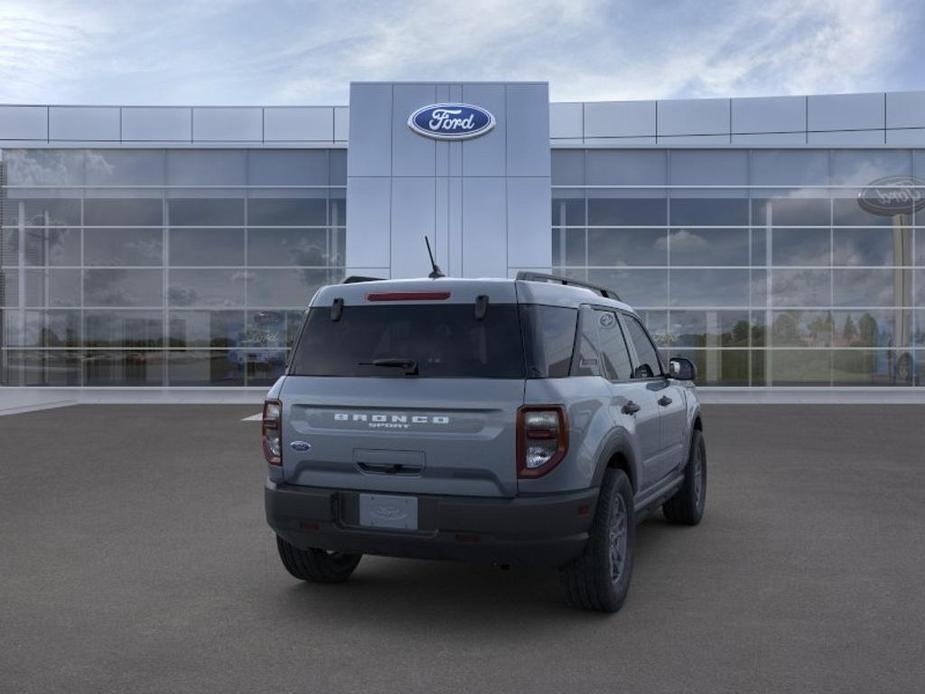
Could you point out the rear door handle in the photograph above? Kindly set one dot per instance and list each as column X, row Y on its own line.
column 664, row 401
column 631, row 408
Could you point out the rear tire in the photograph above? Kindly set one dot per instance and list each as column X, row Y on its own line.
column 687, row 504
column 316, row 565
column 600, row 578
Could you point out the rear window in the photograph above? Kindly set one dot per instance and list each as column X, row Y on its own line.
column 442, row 340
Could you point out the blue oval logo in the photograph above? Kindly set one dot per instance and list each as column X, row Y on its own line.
column 300, row 446
column 451, row 121
column 893, row 195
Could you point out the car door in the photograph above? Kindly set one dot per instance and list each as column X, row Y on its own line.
column 670, row 400
column 633, row 404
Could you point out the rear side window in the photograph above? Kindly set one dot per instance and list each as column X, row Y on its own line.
column 443, row 341
column 549, row 336
column 645, row 350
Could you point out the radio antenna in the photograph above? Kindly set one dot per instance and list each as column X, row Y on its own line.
column 436, row 271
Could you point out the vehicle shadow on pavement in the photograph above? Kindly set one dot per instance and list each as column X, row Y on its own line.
column 405, row 593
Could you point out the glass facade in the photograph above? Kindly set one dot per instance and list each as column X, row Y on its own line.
column 761, row 265
column 191, row 267
column 152, row 267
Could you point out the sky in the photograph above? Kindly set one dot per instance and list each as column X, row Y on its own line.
column 277, row 52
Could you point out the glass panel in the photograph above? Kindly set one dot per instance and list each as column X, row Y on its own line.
column 759, row 328
column 52, row 329
column 920, row 367
column 288, row 167
column 709, row 167
column 123, row 287
column 568, row 167
column 709, row 328
column 787, row 167
column 791, row 211
column 847, row 212
column 139, row 212
column 860, row 367
column 290, row 247
column 206, row 328
column 801, row 329
column 709, row 287
column 44, row 167
column 873, row 287
column 568, row 211
column 9, row 290
column 113, row 368
column 52, row 246
column 53, row 287
column 273, row 328
column 287, row 212
column 281, row 288
column 337, row 208
column 728, row 367
column 870, row 247
column 9, row 247
column 125, row 167
column 635, row 287
column 801, row 247
column 626, row 167
column 264, row 367
column 123, row 247
column 708, row 246
column 338, row 176
column 798, row 367
column 800, row 287
column 918, row 338
column 212, row 368
column 920, row 244
column 604, row 211
column 206, row 167
column 862, row 166
column 215, row 212
column 618, row 247
column 37, row 368
column 206, row 288
column 43, row 211
column 704, row 211
column 124, row 328
column 873, row 328
column 203, row 247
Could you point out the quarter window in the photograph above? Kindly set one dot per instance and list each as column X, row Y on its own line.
column 617, row 365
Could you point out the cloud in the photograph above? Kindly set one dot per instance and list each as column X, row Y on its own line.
column 250, row 52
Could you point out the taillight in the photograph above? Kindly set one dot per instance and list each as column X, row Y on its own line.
column 542, row 439
column 271, row 432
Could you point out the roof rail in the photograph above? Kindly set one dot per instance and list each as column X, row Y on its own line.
column 353, row 279
column 543, row 277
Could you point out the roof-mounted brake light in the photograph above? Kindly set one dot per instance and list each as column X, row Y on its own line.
column 407, row 296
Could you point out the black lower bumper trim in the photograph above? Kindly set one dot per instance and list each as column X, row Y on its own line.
column 547, row 530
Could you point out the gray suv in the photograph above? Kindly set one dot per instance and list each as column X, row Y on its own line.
column 527, row 421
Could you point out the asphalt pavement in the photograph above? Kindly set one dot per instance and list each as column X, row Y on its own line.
column 134, row 557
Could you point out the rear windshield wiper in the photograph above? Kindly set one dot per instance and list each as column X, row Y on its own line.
column 409, row 365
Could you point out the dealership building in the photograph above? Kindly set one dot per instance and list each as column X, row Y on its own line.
column 773, row 241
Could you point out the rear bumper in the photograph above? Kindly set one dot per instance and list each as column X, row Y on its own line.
column 546, row 530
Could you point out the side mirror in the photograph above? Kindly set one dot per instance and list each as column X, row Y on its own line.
column 682, row 369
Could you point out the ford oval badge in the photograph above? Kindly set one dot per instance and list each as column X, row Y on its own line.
column 300, row 446
column 451, row 121
column 893, row 195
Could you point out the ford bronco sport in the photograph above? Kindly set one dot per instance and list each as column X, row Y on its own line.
column 511, row 421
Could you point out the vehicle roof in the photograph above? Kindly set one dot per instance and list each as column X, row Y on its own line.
column 465, row 290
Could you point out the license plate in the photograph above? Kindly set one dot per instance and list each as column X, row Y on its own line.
column 383, row 511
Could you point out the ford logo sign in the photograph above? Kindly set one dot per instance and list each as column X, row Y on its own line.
column 300, row 446
column 451, row 121
column 893, row 195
